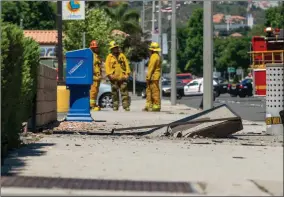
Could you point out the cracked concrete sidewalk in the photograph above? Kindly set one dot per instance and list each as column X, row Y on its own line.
column 225, row 167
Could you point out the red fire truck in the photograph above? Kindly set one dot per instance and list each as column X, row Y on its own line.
column 265, row 49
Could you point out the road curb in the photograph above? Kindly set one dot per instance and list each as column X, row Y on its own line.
column 238, row 102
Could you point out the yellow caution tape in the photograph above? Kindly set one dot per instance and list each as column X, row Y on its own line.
column 273, row 120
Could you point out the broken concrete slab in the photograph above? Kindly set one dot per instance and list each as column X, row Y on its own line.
column 178, row 131
column 273, row 188
column 219, row 129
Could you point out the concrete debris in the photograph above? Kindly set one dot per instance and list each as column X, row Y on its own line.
column 218, row 129
column 239, row 157
column 250, row 144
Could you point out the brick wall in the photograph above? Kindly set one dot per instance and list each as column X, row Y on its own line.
column 46, row 104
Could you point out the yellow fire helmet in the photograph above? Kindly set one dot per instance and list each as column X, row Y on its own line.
column 154, row 46
column 112, row 45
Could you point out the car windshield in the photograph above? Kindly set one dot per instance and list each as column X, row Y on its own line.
column 184, row 77
column 166, row 83
column 247, row 81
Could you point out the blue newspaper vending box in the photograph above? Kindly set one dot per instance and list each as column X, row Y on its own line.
column 79, row 78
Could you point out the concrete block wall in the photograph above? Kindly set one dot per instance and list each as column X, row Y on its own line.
column 46, row 102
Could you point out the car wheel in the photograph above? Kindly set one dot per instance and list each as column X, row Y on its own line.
column 216, row 93
column 242, row 95
column 106, row 101
column 143, row 94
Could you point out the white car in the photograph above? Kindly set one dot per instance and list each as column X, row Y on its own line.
column 195, row 87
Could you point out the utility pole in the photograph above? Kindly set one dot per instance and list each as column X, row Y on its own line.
column 59, row 42
column 160, row 42
column 142, row 70
column 143, row 18
column 207, row 55
column 21, row 23
column 153, row 16
column 84, row 40
column 173, row 56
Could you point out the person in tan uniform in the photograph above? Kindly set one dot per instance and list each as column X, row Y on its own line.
column 96, row 76
column 153, row 100
column 117, row 70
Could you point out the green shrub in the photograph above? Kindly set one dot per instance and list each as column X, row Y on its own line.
column 29, row 76
column 19, row 61
column 11, row 69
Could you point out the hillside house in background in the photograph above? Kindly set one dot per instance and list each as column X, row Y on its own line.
column 225, row 24
column 47, row 40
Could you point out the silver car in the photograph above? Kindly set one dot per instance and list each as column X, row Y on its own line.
column 104, row 96
column 104, row 99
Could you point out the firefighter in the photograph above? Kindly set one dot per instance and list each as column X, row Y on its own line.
column 153, row 100
column 117, row 71
column 96, row 76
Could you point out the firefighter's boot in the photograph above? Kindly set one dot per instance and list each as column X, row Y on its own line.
column 96, row 108
column 156, row 108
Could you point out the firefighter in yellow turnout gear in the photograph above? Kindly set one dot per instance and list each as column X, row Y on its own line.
column 96, row 76
column 153, row 100
column 118, row 70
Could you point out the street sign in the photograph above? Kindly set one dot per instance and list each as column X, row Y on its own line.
column 73, row 10
column 164, row 44
column 239, row 71
column 231, row 70
column 217, row 74
column 155, row 37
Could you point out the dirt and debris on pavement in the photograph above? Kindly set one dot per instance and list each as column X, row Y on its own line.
column 248, row 162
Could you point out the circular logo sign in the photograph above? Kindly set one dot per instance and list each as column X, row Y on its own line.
column 73, row 6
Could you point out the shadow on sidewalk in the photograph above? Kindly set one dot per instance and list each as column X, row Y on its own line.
column 15, row 161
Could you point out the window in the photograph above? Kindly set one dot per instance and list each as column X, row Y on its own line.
column 184, row 77
column 247, row 81
column 166, row 83
column 194, row 83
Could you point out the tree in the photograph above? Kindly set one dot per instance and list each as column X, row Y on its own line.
column 136, row 49
column 274, row 16
column 257, row 30
column 35, row 14
column 123, row 18
column 97, row 26
column 182, row 34
column 194, row 43
column 219, row 47
column 232, row 52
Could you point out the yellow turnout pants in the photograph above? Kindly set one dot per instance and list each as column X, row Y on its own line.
column 94, row 93
column 153, row 99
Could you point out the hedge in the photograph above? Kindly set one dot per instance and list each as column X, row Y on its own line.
column 19, row 62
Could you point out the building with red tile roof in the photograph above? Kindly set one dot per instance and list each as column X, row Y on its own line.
column 42, row 36
column 236, row 35
column 47, row 40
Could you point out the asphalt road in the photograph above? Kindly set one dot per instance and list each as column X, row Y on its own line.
column 249, row 108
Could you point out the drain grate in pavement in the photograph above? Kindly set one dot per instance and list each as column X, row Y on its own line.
column 95, row 184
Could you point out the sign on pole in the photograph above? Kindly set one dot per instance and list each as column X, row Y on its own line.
column 231, row 70
column 73, row 10
column 155, row 37
column 239, row 71
column 165, row 44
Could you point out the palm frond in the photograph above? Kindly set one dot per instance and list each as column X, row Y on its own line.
column 121, row 9
column 131, row 27
column 131, row 15
column 110, row 12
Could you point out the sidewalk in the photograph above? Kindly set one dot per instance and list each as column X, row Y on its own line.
column 210, row 166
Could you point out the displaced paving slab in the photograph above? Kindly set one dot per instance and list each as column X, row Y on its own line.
column 216, row 129
column 273, row 188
